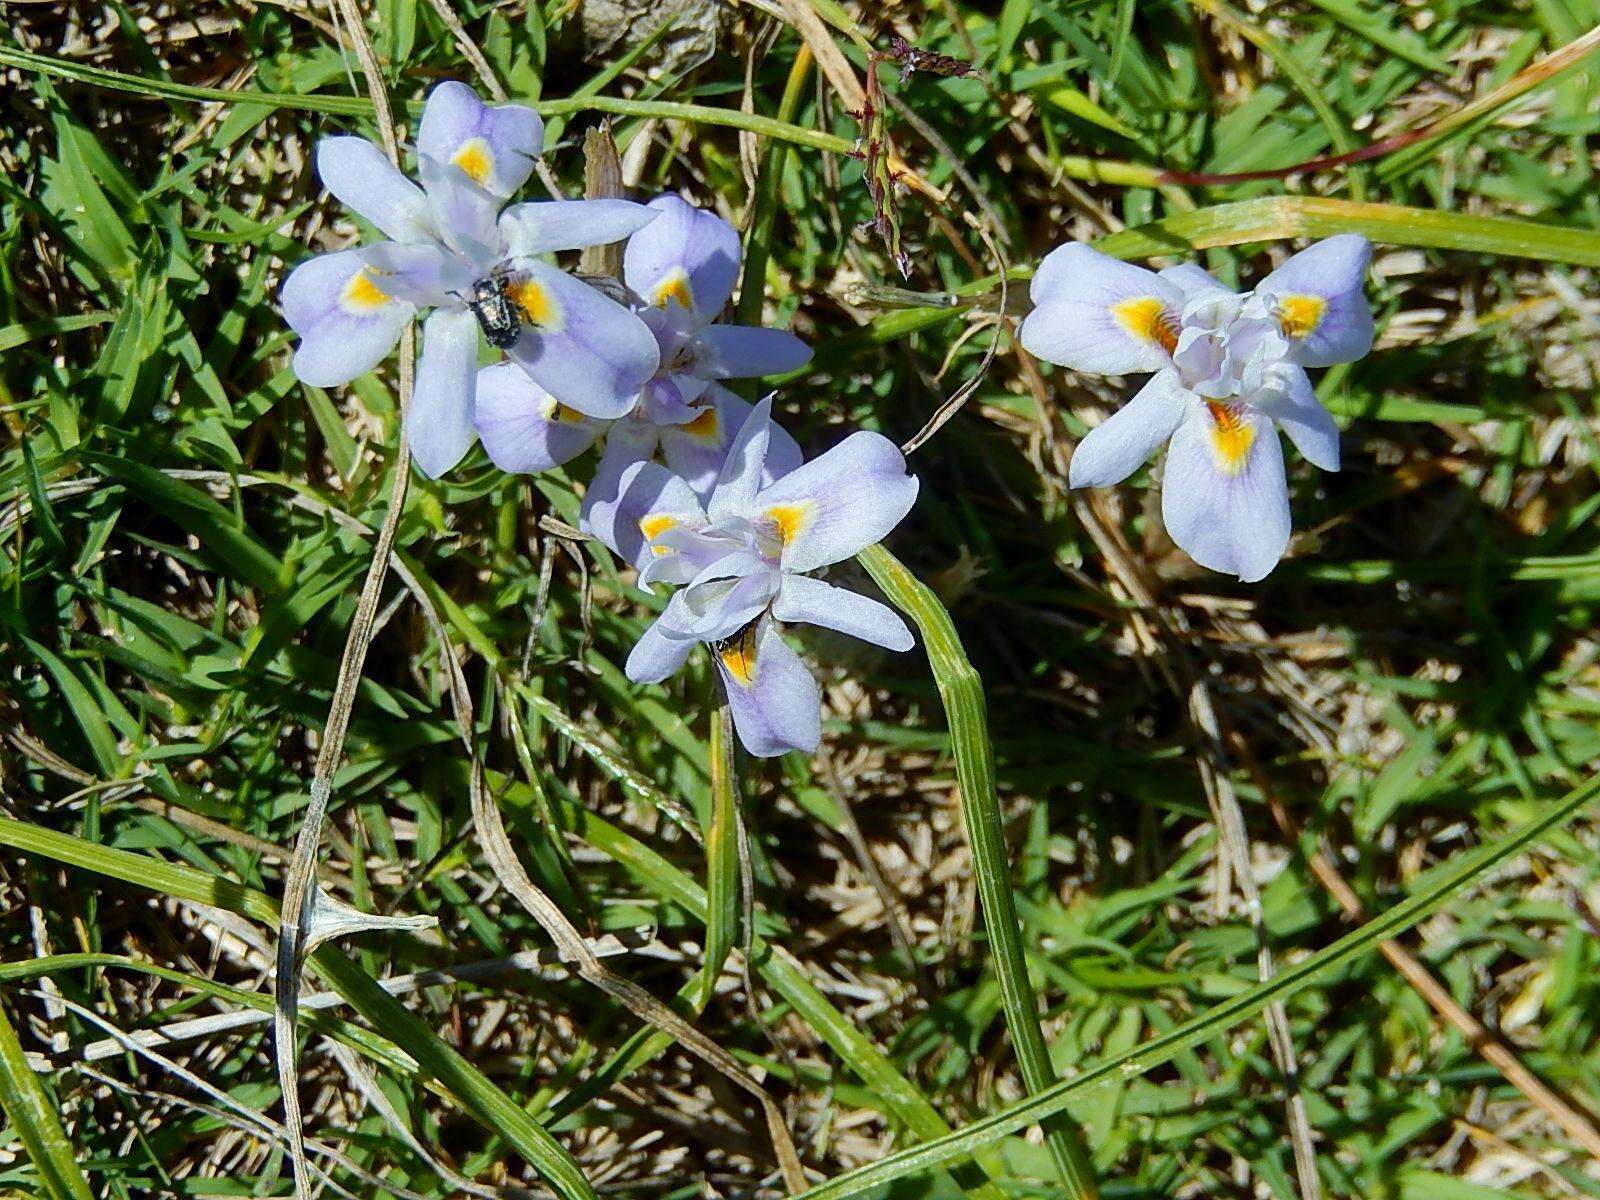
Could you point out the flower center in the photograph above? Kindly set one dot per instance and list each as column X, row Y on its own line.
column 1225, row 345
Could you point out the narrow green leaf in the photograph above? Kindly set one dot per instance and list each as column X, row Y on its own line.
column 722, row 852
column 34, row 1115
column 12, row 336
column 961, row 690
column 91, row 718
column 43, row 517
column 218, row 530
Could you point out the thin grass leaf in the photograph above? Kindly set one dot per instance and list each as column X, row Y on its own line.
column 723, row 907
column 36, row 1120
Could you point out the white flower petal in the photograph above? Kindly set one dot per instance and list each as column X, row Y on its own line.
column 1224, row 499
column 656, row 655
column 493, row 145
column 1119, row 445
column 1101, row 316
column 813, row 602
column 544, row 226
column 749, row 352
column 582, row 347
column 686, row 256
column 839, row 503
column 346, row 321
column 359, row 174
column 776, row 704
column 439, row 421
column 649, row 500
column 524, row 428
column 1320, row 299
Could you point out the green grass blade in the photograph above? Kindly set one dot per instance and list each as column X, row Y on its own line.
column 33, row 1115
column 1274, row 218
column 352, row 106
column 722, row 853
column 1277, row 217
column 1442, row 886
column 961, row 690
column 12, row 336
column 1338, row 132
column 769, row 177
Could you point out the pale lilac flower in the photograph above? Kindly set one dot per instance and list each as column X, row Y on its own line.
column 740, row 558
column 1229, row 372
column 444, row 238
column 681, row 268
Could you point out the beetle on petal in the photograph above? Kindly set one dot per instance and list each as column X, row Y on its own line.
column 1229, row 373
column 451, row 249
column 680, row 269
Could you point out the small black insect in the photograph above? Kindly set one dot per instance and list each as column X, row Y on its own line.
column 497, row 314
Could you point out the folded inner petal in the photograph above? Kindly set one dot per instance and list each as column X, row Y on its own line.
column 1293, row 404
column 740, row 477
column 421, row 274
column 464, row 215
column 723, row 599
